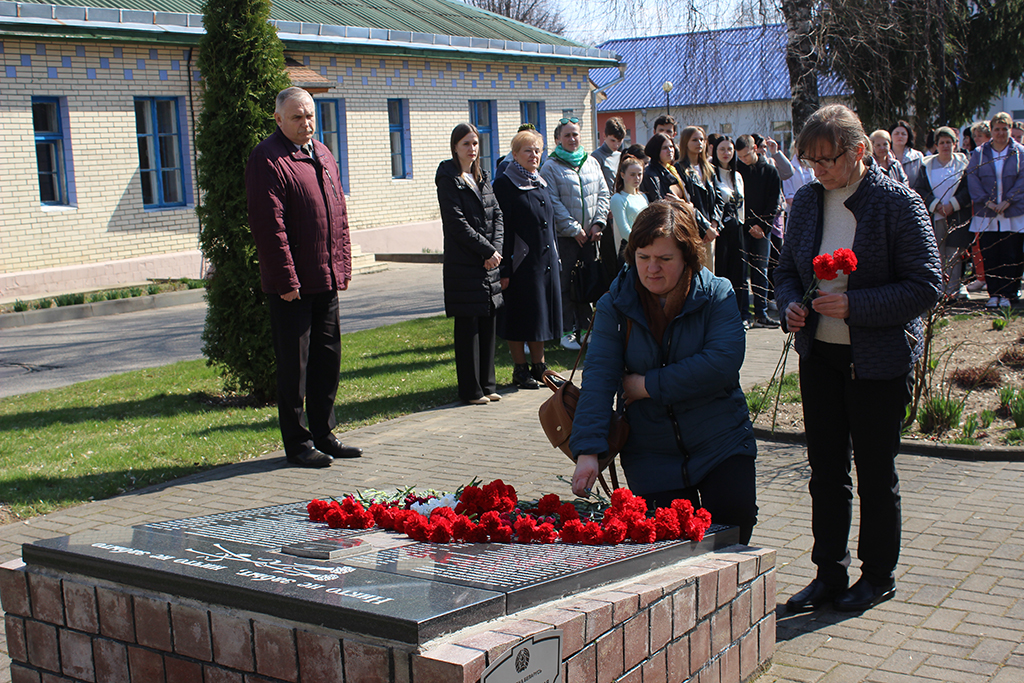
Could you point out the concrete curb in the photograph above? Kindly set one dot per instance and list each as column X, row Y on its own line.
column 411, row 258
column 946, row 451
column 102, row 308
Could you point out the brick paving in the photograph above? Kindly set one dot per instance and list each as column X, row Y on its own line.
column 958, row 615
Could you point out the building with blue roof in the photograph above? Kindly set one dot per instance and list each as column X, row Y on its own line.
column 730, row 81
column 98, row 104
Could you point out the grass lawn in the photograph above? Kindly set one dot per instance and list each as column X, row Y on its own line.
column 97, row 439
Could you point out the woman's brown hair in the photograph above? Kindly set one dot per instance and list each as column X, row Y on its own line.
column 668, row 218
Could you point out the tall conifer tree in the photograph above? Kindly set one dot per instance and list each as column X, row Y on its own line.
column 242, row 63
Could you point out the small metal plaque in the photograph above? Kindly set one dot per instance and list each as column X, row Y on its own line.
column 328, row 548
column 537, row 660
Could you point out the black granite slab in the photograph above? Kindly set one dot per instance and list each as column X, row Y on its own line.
column 369, row 581
column 382, row 604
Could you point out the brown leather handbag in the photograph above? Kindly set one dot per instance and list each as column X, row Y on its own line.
column 557, row 413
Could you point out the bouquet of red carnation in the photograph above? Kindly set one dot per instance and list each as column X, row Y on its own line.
column 827, row 267
column 493, row 514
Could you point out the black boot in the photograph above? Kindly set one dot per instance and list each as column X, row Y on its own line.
column 521, row 377
column 537, row 371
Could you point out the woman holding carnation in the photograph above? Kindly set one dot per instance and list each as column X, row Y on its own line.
column 858, row 342
column 668, row 334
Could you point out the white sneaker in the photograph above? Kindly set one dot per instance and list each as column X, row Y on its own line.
column 993, row 302
column 976, row 286
column 569, row 342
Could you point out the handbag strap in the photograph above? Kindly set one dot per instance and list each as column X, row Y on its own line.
column 586, row 338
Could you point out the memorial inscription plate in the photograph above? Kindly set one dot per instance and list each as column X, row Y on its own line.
column 369, row 581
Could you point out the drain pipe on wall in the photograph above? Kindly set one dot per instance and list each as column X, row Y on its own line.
column 593, row 98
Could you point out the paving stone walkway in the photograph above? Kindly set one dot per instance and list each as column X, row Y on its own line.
column 958, row 615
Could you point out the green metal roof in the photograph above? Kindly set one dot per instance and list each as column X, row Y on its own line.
column 445, row 17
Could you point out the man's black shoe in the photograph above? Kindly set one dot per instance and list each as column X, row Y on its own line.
column 864, row 595
column 816, row 594
column 310, row 458
column 336, row 449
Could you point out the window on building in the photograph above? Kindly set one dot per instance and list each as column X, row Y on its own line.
column 50, row 144
column 483, row 115
column 331, row 130
column 161, row 168
column 398, row 131
column 782, row 131
column 533, row 112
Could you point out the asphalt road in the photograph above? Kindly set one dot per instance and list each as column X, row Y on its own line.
column 53, row 355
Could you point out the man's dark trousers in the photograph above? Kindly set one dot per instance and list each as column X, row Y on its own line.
column 307, row 343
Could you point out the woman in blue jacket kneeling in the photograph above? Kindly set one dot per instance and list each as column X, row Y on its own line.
column 668, row 332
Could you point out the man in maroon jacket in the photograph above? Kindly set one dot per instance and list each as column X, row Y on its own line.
column 298, row 219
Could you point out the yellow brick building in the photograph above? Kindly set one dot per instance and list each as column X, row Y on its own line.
column 97, row 165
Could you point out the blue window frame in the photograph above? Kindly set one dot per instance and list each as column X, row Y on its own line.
column 398, row 132
column 533, row 112
column 331, row 130
column 49, row 129
column 484, row 115
column 161, row 161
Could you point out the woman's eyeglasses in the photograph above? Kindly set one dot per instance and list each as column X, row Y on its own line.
column 824, row 163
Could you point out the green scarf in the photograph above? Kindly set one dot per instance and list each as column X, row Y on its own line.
column 574, row 159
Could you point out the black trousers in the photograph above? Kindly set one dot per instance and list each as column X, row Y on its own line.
column 731, row 264
column 575, row 316
column 474, row 355
column 307, row 343
column 728, row 492
column 1001, row 252
column 838, row 411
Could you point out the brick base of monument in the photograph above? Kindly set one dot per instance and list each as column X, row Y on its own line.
column 707, row 619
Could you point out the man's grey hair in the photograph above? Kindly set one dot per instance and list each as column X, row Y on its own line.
column 288, row 94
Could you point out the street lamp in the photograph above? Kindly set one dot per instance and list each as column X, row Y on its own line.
column 667, row 87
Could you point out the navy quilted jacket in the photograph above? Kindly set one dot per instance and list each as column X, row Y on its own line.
column 897, row 277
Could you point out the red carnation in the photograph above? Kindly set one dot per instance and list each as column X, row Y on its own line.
column 463, row 528
column 568, row 512
column 592, row 534
column 824, row 267
column 615, row 531
column 620, row 497
column 440, row 532
column 545, row 533
column 844, row 260
column 336, row 519
column 666, row 523
column 572, row 531
column 317, row 510
column 417, row 528
column 644, row 531
column 525, row 527
column 502, row 534
column 490, row 521
column 549, row 504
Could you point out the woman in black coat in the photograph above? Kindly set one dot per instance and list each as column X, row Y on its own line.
column 473, row 236
column 529, row 267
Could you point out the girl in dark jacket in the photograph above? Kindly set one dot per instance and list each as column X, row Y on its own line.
column 473, row 235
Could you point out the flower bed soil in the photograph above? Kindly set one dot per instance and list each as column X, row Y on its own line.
column 959, row 344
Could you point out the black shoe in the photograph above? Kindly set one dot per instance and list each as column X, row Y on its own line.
column 764, row 323
column 816, row 594
column 522, row 378
column 310, row 458
column 537, row 371
column 336, row 449
column 864, row 595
